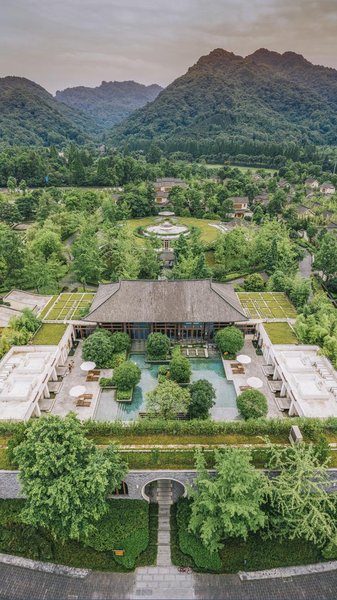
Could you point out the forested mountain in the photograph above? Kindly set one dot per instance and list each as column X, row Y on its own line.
column 111, row 102
column 29, row 115
column 265, row 97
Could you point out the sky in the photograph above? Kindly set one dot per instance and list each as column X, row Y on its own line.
column 63, row 43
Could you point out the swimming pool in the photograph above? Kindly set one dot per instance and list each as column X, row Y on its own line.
column 202, row 368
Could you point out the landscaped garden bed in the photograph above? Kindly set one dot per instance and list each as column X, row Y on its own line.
column 67, row 306
column 129, row 525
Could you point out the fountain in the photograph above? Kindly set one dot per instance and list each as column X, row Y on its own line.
column 166, row 230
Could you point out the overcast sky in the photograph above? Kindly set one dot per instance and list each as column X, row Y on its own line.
column 61, row 43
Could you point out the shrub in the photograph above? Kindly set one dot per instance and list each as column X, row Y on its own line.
column 180, row 369
column 124, row 394
column 158, row 346
column 252, row 404
column 105, row 382
column 126, row 376
column 167, row 400
column 99, row 348
column 229, row 340
column 121, row 341
column 118, row 358
column 202, row 399
column 253, row 283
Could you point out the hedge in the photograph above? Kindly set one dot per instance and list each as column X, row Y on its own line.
column 310, row 427
column 125, row 526
column 191, row 544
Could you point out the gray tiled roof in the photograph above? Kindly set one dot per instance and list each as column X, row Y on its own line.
column 144, row 301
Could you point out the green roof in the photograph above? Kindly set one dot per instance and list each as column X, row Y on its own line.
column 49, row 334
column 280, row 333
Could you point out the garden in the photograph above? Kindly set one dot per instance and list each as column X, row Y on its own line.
column 67, row 306
column 267, row 305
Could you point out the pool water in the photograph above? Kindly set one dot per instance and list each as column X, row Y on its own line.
column 202, row 368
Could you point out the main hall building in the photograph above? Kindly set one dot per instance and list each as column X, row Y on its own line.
column 181, row 309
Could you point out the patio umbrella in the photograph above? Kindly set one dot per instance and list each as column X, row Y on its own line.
column 244, row 359
column 77, row 391
column 87, row 366
column 255, row 382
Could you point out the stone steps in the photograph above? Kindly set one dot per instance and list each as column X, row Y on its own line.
column 164, row 499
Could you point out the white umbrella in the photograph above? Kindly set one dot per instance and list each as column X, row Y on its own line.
column 77, row 391
column 243, row 359
column 88, row 366
column 255, row 382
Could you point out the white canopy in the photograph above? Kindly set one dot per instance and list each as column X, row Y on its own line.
column 255, row 382
column 77, row 391
column 87, row 366
column 244, row 359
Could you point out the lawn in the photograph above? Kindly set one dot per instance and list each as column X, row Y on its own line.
column 237, row 555
column 129, row 525
column 206, row 226
column 67, row 306
column 281, row 333
column 267, row 305
column 49, row 334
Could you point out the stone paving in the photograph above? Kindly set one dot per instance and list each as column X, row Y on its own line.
column 17, row 583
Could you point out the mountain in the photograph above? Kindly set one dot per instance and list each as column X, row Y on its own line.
column 265, row 97
column 111, row 102
column 29, row 115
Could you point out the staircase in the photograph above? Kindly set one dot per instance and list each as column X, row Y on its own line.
column 164, row 499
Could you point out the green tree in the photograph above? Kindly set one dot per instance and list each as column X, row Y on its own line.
column 158, row 346
column 64, row 477
column 99, row 348
column 126, row 375
column 121, row 341
column 253, row 283
column 180, row 369
column 202, row 399
column 229, row 505
column 326, row 256
column 229, row 340
column 167, row 400
column 299, row 506
column 87, row 263
column 252, row 404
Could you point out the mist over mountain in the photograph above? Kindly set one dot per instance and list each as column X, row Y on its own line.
column 111, row 102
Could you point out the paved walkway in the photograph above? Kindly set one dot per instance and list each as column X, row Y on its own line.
column 17, row 583
column 164, row 499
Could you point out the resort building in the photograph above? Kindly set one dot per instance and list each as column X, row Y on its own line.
column 163, row 186
column 304, row 380
column 181, row 309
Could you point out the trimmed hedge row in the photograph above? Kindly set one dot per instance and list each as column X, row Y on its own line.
column 310, row 427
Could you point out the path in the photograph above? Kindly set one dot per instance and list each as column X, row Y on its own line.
column 163, row 582
column 305, row 265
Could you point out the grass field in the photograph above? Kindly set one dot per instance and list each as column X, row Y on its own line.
column 267, row 305
column 280, row 333
column 49, row 334
column 206, row 226
column 66, row 306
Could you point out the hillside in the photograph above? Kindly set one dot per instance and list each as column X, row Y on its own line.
column 111, row 102
column 29, row 115
column 266, row 97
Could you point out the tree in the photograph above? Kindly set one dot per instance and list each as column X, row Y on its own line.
column 180, row 369
column 121, row 341
column 229, row 340
column 11, row 184
column 299, row 506
column 99, row 348
column 126, row 375
column 149, row 263
column 64, row 477
column 202, row 399
column 167, row 400
column 228, row 505
column 252, row 404
column 253, row 283
column 87, row 263
column 158, row 346
column 326, row 256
